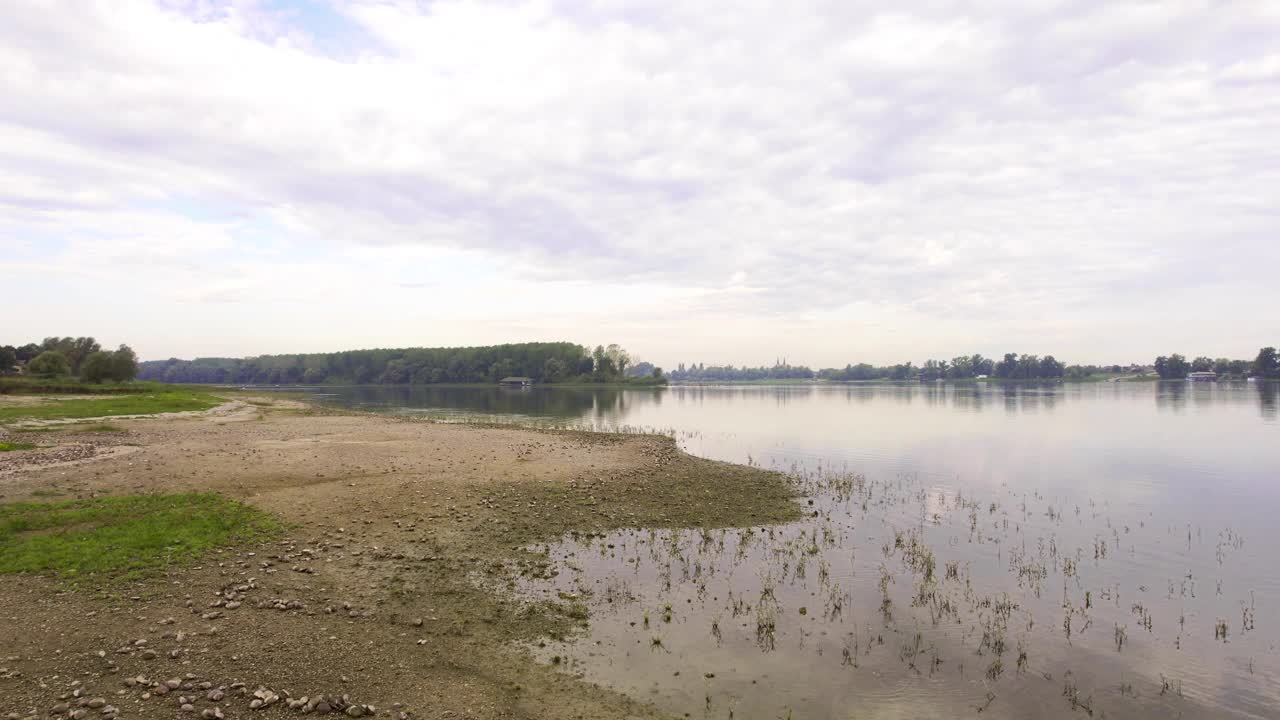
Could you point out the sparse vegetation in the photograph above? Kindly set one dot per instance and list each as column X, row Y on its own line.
column 129, row 534
column 161, row 401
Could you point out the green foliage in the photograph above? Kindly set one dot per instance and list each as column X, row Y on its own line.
column 118, row 366
column 31, row 385
column 1173, row 367
column 96, row 367
column 75, row 350
column 8, row 358
column 544, row 362
column 49, row 363
column 27, row 352
column 130, row 534
column 130, row 404
column 781, row 370
column 124, row 364
column 11, row 446
column 1267, row 364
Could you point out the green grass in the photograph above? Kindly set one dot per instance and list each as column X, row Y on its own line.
column 73, row 427
column 145, row 404
column 129, row 535
column 8, row 446
column 25, row 385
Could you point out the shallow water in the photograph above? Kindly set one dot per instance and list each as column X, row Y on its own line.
column 1011, row 551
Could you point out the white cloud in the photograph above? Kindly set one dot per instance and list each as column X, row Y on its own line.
column 721, row 181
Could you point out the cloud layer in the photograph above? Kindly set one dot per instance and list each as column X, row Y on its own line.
column 715, row 181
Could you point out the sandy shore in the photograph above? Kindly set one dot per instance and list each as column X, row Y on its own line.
column 374, row 592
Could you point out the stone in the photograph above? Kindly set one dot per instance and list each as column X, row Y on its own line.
column 59, row 709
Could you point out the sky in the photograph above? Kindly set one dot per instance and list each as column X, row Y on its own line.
column 723, row 182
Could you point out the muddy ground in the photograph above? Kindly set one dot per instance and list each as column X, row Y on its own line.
column 374, row 590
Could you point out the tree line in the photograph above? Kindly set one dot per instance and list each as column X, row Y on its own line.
column 81, row 357
column 698, row 372
column 1013, row 366
column 1176, row 366
column 542, row 362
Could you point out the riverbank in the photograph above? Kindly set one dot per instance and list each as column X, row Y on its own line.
column 373, row 588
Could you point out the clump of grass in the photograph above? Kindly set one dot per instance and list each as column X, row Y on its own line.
column 129, row 535
column 11, row 446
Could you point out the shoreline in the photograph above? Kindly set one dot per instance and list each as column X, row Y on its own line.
column 393, row 527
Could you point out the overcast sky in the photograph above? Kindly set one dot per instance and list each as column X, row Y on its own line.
column 724, row 182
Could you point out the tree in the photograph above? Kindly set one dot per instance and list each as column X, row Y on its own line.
column 1202, row 364
column 1173, row 367
column 603, row 363
column 8, row 358
column 1007, row 367
column 1051, row 368
column 49, row 363
column 553, row 370
column 619, row 358
column 75, row 350
column 97, row 367
column 1267, row 364
column 124, row 364
column 27, row 352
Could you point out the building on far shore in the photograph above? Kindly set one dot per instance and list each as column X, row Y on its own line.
column 514, row 381
column 1205, row 376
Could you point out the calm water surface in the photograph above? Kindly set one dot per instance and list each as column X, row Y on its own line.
column 1105, row 550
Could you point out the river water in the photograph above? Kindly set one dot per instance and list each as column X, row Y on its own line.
column 1105, row 550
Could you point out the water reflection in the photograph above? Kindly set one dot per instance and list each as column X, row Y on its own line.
column 1268, row 394
column 1126, row 521
column 615, row 405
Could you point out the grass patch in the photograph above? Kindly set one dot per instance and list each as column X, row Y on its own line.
column 52, row 386
column 145, row 404
column 74, row 428
column 8, row 446
column 128, row 535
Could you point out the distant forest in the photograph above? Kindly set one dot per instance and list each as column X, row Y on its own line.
column 542, row 362
column 1013, row 366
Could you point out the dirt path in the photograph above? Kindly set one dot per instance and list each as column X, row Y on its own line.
column 374, row 592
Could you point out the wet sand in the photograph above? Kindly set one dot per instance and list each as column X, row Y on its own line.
column 394, row 572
